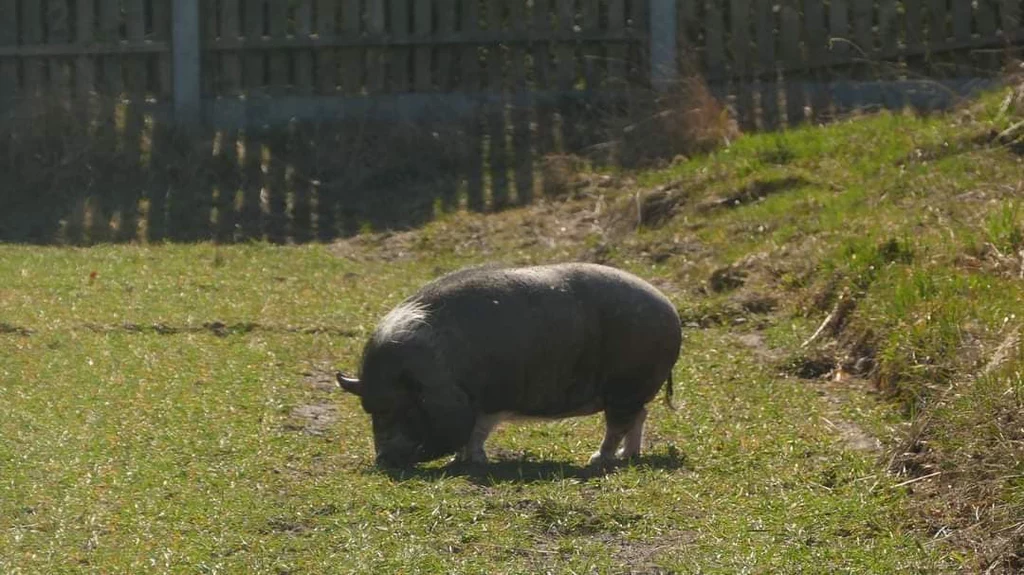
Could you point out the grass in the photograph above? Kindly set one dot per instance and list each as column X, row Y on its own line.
column 170, row 408
column 134, row 442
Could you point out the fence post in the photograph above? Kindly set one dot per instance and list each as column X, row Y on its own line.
column 185, row 36
column 663, row 24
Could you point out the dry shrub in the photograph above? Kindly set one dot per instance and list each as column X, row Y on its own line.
column 562, row 174
column 963, row 459
column 1012, row 108
column 658, row 127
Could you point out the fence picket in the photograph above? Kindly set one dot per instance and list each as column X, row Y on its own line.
column 617, row 52
column 962, row 17
column 767, row 73
column 565, row 52
column 888, row 27
column 59, row 32
column 303, row 59
column 376, row 62
column 278, row 59
column 686, row 20
column 423, row 26
column 839, row 38
column 228, row 184
column 111, row 86
column 863, row 50
column 276, row 189
column 135, row 28
column 353, row 60
column 739, row 11
column 639, row 24
column 326, row 63
column 517, row 52
column 520, row 114
column 446, row 60
column 541, row 50
column 250, row 214
column 127, row 206
column 890, row 31
column 542, row 56
column 937, row 34
column 497, row 147
column 300, row 153
column 862, row 33
column 400, row 56
column 986, row 18
column 714, row 44
column 592, row 53
column 32, row 34
column 989, row 61
column 816, row 32
column 209, row 75
column 1009, row 12
column 470, row 65
column 793, row 62
column 254, row 58
column 914, row 22
column 8, row 66
column 85, row 64
column 470, row 81
column 495, row 61
column 230, row 28
column 161, row 32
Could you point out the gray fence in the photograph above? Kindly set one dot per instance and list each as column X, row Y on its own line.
column 484, row 91
column 238, row 62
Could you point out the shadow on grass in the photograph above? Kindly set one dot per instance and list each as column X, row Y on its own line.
column 80, row 177
column 522, row 470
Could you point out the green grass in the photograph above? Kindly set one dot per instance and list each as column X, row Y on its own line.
column 172, row 412
column 128, row 449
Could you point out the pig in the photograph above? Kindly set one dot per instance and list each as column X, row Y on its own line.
column 488, row 344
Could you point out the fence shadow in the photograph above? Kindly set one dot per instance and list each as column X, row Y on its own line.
column 112, row 172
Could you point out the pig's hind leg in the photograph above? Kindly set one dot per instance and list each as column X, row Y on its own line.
column 634, row 437
column 619, row 425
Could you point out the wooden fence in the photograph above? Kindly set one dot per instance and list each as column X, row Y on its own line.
column 244, row 62
column 779, row 61
column 317, row 57
column 481, row 90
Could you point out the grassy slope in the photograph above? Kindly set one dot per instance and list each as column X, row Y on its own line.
column 175, row 412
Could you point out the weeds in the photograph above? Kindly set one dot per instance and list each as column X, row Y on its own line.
column 1004, row 229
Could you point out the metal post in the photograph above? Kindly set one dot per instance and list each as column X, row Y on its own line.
column 186, row 62
column 663, row 23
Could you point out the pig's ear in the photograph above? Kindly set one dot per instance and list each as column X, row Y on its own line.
column 350, row 384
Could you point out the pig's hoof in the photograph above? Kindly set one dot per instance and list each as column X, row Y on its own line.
column 474, row 457
column 624, row 455
column 602, row 461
